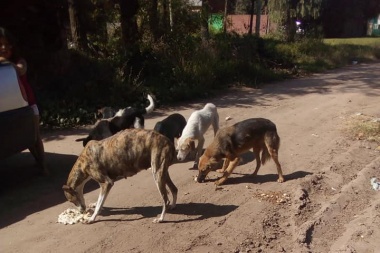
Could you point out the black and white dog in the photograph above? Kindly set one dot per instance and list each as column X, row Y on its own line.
column 125, row 118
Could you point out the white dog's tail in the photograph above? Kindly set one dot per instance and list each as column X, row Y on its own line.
column 150, row 107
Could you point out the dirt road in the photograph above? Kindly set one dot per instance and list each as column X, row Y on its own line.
column 326, row 204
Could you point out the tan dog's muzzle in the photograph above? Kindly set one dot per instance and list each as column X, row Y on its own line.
column 201, row 178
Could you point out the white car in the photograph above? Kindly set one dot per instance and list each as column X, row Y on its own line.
column 17, row 127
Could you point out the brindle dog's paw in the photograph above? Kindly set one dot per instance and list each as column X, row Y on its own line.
column 92, row 205
column 170, row 207
column 157, row 220
column 87, row 222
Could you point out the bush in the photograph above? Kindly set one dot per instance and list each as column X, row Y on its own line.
column 178, row 68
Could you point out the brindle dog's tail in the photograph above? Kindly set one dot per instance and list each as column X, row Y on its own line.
column 271, row 146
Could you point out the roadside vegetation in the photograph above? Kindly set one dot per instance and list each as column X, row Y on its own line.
column 179, row 69
column 363, row 127
column 83, row 55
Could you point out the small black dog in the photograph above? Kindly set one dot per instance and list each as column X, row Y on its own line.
column 106, row 113
column 171, row 126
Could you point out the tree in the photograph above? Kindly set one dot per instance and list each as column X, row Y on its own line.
column 251, row 14
column 153, row 19
column 78, row 35
column 258, row 17
column 349, row 17
column 286, row 12
column 225, row 16
column 128, row 21
column 204, row 21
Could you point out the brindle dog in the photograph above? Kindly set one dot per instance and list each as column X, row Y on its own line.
column 122, row 155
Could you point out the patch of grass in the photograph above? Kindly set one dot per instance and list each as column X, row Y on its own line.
column 353, row 49
column 364, row 127
column 369, row 41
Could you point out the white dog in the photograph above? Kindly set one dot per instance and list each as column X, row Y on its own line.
column 195, row 128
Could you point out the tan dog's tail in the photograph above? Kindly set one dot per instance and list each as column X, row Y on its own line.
column 272, row 142
column 265, row 156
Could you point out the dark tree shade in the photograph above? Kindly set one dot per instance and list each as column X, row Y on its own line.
column 347, row 18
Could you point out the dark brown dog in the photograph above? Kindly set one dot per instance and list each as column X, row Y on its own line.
column 171, row 126
column 230, row 142
column 120, row 156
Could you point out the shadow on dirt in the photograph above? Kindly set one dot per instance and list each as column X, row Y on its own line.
column 61, row 134
column 196, row 211
column 245, row 158
column 347, row 79
column 259, row 179
column 24, row 191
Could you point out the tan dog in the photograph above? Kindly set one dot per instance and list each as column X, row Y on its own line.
column 120, row 156
column 230, row 142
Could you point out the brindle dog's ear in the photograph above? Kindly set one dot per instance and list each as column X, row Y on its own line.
column 68, row 189
column 81, row 139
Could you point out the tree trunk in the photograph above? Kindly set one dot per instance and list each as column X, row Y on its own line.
column 171, row 15
column 165, row 16
column 258, row 17
column 78, row 36
column 251, row 17
column 154, row 20
column 290, row 27
column 204, row 21
column 225, row 16
column 129, row 29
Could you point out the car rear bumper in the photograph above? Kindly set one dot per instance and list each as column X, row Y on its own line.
column 17, row 131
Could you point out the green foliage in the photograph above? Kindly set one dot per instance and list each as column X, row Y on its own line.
column 365, row 41
column 86, row 85
column 179, row 68
column 172, row 62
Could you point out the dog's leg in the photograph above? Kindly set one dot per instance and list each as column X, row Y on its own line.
column 272, row 142
column 105, row 189
column 231, row 166
column 139, row 122
column 173, row 189
column 215, row 124
column 258, row 161
column 274, row 154
column 161, row 186
column 225, row 165
column 201, row 141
